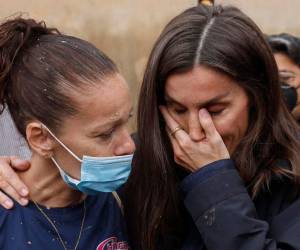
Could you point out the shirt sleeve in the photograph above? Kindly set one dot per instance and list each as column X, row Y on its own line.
column 226, row 217
column 204, row 173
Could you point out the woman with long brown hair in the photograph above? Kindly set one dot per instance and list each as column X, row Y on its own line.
column 212, row 124
column 217, row 164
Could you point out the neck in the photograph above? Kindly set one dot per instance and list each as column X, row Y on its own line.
column 46, row 186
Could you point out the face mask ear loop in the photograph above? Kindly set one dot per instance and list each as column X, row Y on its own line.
column 62, row 173
column 59, row 141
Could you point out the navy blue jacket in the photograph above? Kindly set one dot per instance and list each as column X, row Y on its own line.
column 224, row 217
column 24, row 228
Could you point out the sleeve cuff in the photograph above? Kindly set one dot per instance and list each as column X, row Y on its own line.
column 222, row 185
column 205, row 173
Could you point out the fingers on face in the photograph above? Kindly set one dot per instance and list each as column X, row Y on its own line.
column 181, row 136
column 208, row 126
column 176, row 148
column 178, row 152
column 170, row 122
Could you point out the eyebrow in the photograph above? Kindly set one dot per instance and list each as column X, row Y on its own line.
column 200, row 104
column 112, row 123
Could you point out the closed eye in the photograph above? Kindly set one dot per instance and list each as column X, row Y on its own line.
column 106, row 135
column 179, row 111
column 216, row 112
column 174, row 107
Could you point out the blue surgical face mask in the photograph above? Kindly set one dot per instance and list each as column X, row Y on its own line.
column 98, row 174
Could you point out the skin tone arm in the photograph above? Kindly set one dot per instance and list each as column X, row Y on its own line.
column 10, row 183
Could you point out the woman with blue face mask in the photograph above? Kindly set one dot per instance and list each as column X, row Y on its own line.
column 71, row 104
column 217, row 164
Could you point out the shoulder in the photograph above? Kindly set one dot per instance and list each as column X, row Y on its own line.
column 106, row 201
column 283, row 212
column 9, row 222
column 7, row 213
column 281, row 196
column 105, row 210
column 282, row 185
column 3, row 215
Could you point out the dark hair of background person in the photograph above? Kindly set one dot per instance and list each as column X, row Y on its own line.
column 226, row 40
column 286, row 44
column 39, row 69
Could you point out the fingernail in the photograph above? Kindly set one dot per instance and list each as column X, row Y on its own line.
column 204, row 113
column 24, row 191
column 18, row 161
column 23, row 201
column 8, row 204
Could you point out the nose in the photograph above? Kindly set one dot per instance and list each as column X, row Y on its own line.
column 126, row 145
column 196, row 132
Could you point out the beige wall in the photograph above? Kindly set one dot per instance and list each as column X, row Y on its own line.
column 127, row 29
column 273, row 16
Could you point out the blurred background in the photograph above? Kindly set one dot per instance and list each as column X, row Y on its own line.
column 126, row 29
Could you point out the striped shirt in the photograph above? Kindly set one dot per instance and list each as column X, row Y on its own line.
column 11, row 142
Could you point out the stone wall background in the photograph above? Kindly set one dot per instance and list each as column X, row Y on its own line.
column 127, row 29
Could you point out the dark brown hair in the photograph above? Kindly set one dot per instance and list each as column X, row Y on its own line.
column 226, row 40
column 39, row 67
column 286, row 44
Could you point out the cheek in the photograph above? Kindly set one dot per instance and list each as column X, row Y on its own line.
column 225, row 126
column 296, row 111
column 96, row 147
column 298, row 95
column 91, row 146
column 296, row 82
column 232, row 126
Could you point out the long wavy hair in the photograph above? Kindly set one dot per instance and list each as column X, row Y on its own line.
column 226, row 40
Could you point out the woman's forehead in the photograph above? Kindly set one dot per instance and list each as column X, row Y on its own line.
column 200, row 83
column 106, row 101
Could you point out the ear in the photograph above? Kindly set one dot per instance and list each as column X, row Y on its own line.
column 39, row 140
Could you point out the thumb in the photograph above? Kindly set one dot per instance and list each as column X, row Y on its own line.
column 19, row 164
column 207, row 124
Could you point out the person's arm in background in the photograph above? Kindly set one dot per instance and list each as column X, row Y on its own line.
column 10, row 183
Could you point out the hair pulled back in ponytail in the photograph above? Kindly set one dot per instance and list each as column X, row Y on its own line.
column 15, row 35
column 40, row 67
